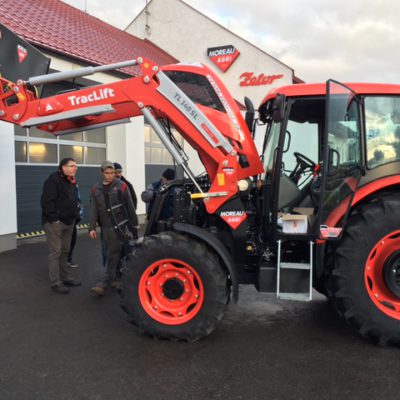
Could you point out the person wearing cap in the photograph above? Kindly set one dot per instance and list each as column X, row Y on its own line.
column 60, row 212
column 119, row 175
column 111, row 207
column 149, row 195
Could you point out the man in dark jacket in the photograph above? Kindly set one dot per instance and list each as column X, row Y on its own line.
column 60, row 211
column 149, row 195
column 119, row 175
column 111, row 207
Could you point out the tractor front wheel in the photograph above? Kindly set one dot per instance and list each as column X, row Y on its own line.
column 174, row 287
column 365, row 281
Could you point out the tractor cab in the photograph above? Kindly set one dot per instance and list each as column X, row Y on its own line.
column 312, row 158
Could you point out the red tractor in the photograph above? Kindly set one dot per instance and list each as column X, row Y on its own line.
column 319, row 207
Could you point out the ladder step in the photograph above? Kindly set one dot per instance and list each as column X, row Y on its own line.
column 287, row 265
column 295, row 296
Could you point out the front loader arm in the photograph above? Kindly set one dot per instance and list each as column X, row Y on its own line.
column 221, row 139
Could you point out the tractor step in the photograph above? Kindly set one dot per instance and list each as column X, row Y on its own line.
column 294, row 296
column 286, row 265
column 295, row 268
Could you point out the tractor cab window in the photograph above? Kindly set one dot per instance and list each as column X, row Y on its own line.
column 272, row 145
column 197, row 88
column 300, row 152
column 382, row 122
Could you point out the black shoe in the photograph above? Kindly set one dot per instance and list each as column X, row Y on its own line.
column 71, row 282
column 60, row 288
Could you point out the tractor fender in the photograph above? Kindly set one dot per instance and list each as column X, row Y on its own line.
column 220, row 249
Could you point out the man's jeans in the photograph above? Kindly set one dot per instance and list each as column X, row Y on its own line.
column 58, row 243
column 114, row 254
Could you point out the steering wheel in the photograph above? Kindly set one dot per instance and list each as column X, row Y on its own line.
column 303, row 165
column 305, row 162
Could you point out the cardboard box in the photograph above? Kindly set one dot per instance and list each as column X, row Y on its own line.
column 294, row 223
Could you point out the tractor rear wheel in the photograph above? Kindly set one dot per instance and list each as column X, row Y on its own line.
column 173, row 287
column 365, row 281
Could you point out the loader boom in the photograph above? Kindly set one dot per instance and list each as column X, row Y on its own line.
column 191, row 97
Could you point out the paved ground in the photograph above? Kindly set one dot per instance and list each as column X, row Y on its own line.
column 81, row 347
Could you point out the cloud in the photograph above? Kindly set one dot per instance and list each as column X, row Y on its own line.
column 349, row 40
column 346, row 40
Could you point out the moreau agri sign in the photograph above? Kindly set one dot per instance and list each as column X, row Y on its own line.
column 223, row 56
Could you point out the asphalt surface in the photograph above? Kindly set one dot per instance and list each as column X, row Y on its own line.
column 77, row 346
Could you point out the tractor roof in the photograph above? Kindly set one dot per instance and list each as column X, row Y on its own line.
column 319, row 89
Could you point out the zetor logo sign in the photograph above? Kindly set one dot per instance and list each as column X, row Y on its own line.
column 96, row 95
column 250, row 79
column 223, row 56
column 233, row 218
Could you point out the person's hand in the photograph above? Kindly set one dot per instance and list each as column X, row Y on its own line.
column 93, row 234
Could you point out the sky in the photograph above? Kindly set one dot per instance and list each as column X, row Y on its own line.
column 346, row 40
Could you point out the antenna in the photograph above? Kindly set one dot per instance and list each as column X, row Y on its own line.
column 147, row 13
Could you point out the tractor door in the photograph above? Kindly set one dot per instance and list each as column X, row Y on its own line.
column 342, row 158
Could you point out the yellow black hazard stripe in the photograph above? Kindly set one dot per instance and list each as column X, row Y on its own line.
column 42, row 233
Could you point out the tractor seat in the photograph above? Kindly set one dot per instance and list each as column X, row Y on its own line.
column 291, row 196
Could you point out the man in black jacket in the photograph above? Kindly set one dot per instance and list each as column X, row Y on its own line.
column 119, row 175
column 149, row 195
column 60, row 211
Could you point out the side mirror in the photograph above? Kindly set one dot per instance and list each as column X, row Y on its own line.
column 249, row 116
column 278, row 108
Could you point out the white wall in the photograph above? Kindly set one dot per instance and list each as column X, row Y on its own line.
column 8, row 194
column 125, row 144
column 186, row 34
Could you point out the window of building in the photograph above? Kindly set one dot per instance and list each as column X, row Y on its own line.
column 33, row 146
column 155, row 151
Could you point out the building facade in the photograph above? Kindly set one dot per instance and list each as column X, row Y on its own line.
column 190, row 36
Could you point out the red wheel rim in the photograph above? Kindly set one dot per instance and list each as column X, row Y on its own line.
column 171, row 292
column 375, row 282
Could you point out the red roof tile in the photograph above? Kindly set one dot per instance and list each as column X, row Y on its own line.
column 61, row 28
